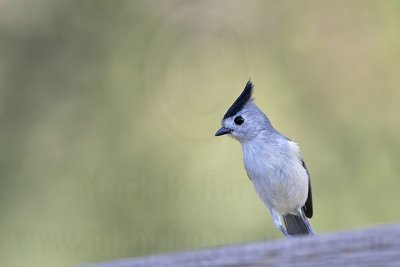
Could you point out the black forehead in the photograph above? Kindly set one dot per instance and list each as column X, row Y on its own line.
column 244, row 97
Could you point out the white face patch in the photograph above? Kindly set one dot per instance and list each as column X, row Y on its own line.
column 237, row 131
column 253, row 122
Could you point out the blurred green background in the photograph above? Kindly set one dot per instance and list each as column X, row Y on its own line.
column 108, row 111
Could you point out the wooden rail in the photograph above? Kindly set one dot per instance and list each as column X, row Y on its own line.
column 376, row 247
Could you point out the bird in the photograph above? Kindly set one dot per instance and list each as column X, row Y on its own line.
column 274, row 164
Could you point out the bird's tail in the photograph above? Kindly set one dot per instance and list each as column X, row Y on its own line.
column 295, row 225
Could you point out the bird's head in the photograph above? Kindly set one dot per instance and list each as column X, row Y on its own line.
column 244, row 120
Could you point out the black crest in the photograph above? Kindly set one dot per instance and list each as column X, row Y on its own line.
column 244, row 97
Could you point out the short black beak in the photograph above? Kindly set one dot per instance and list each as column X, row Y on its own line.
column 222, row 131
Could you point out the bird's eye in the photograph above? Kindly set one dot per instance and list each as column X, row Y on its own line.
column 239, row 120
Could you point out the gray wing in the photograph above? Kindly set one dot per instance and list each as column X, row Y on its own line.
column 308, row 206
column 248, row 176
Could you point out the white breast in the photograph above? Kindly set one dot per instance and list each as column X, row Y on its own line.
column 276, row 171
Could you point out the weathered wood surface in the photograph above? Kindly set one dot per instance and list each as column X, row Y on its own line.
column 376, row 247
